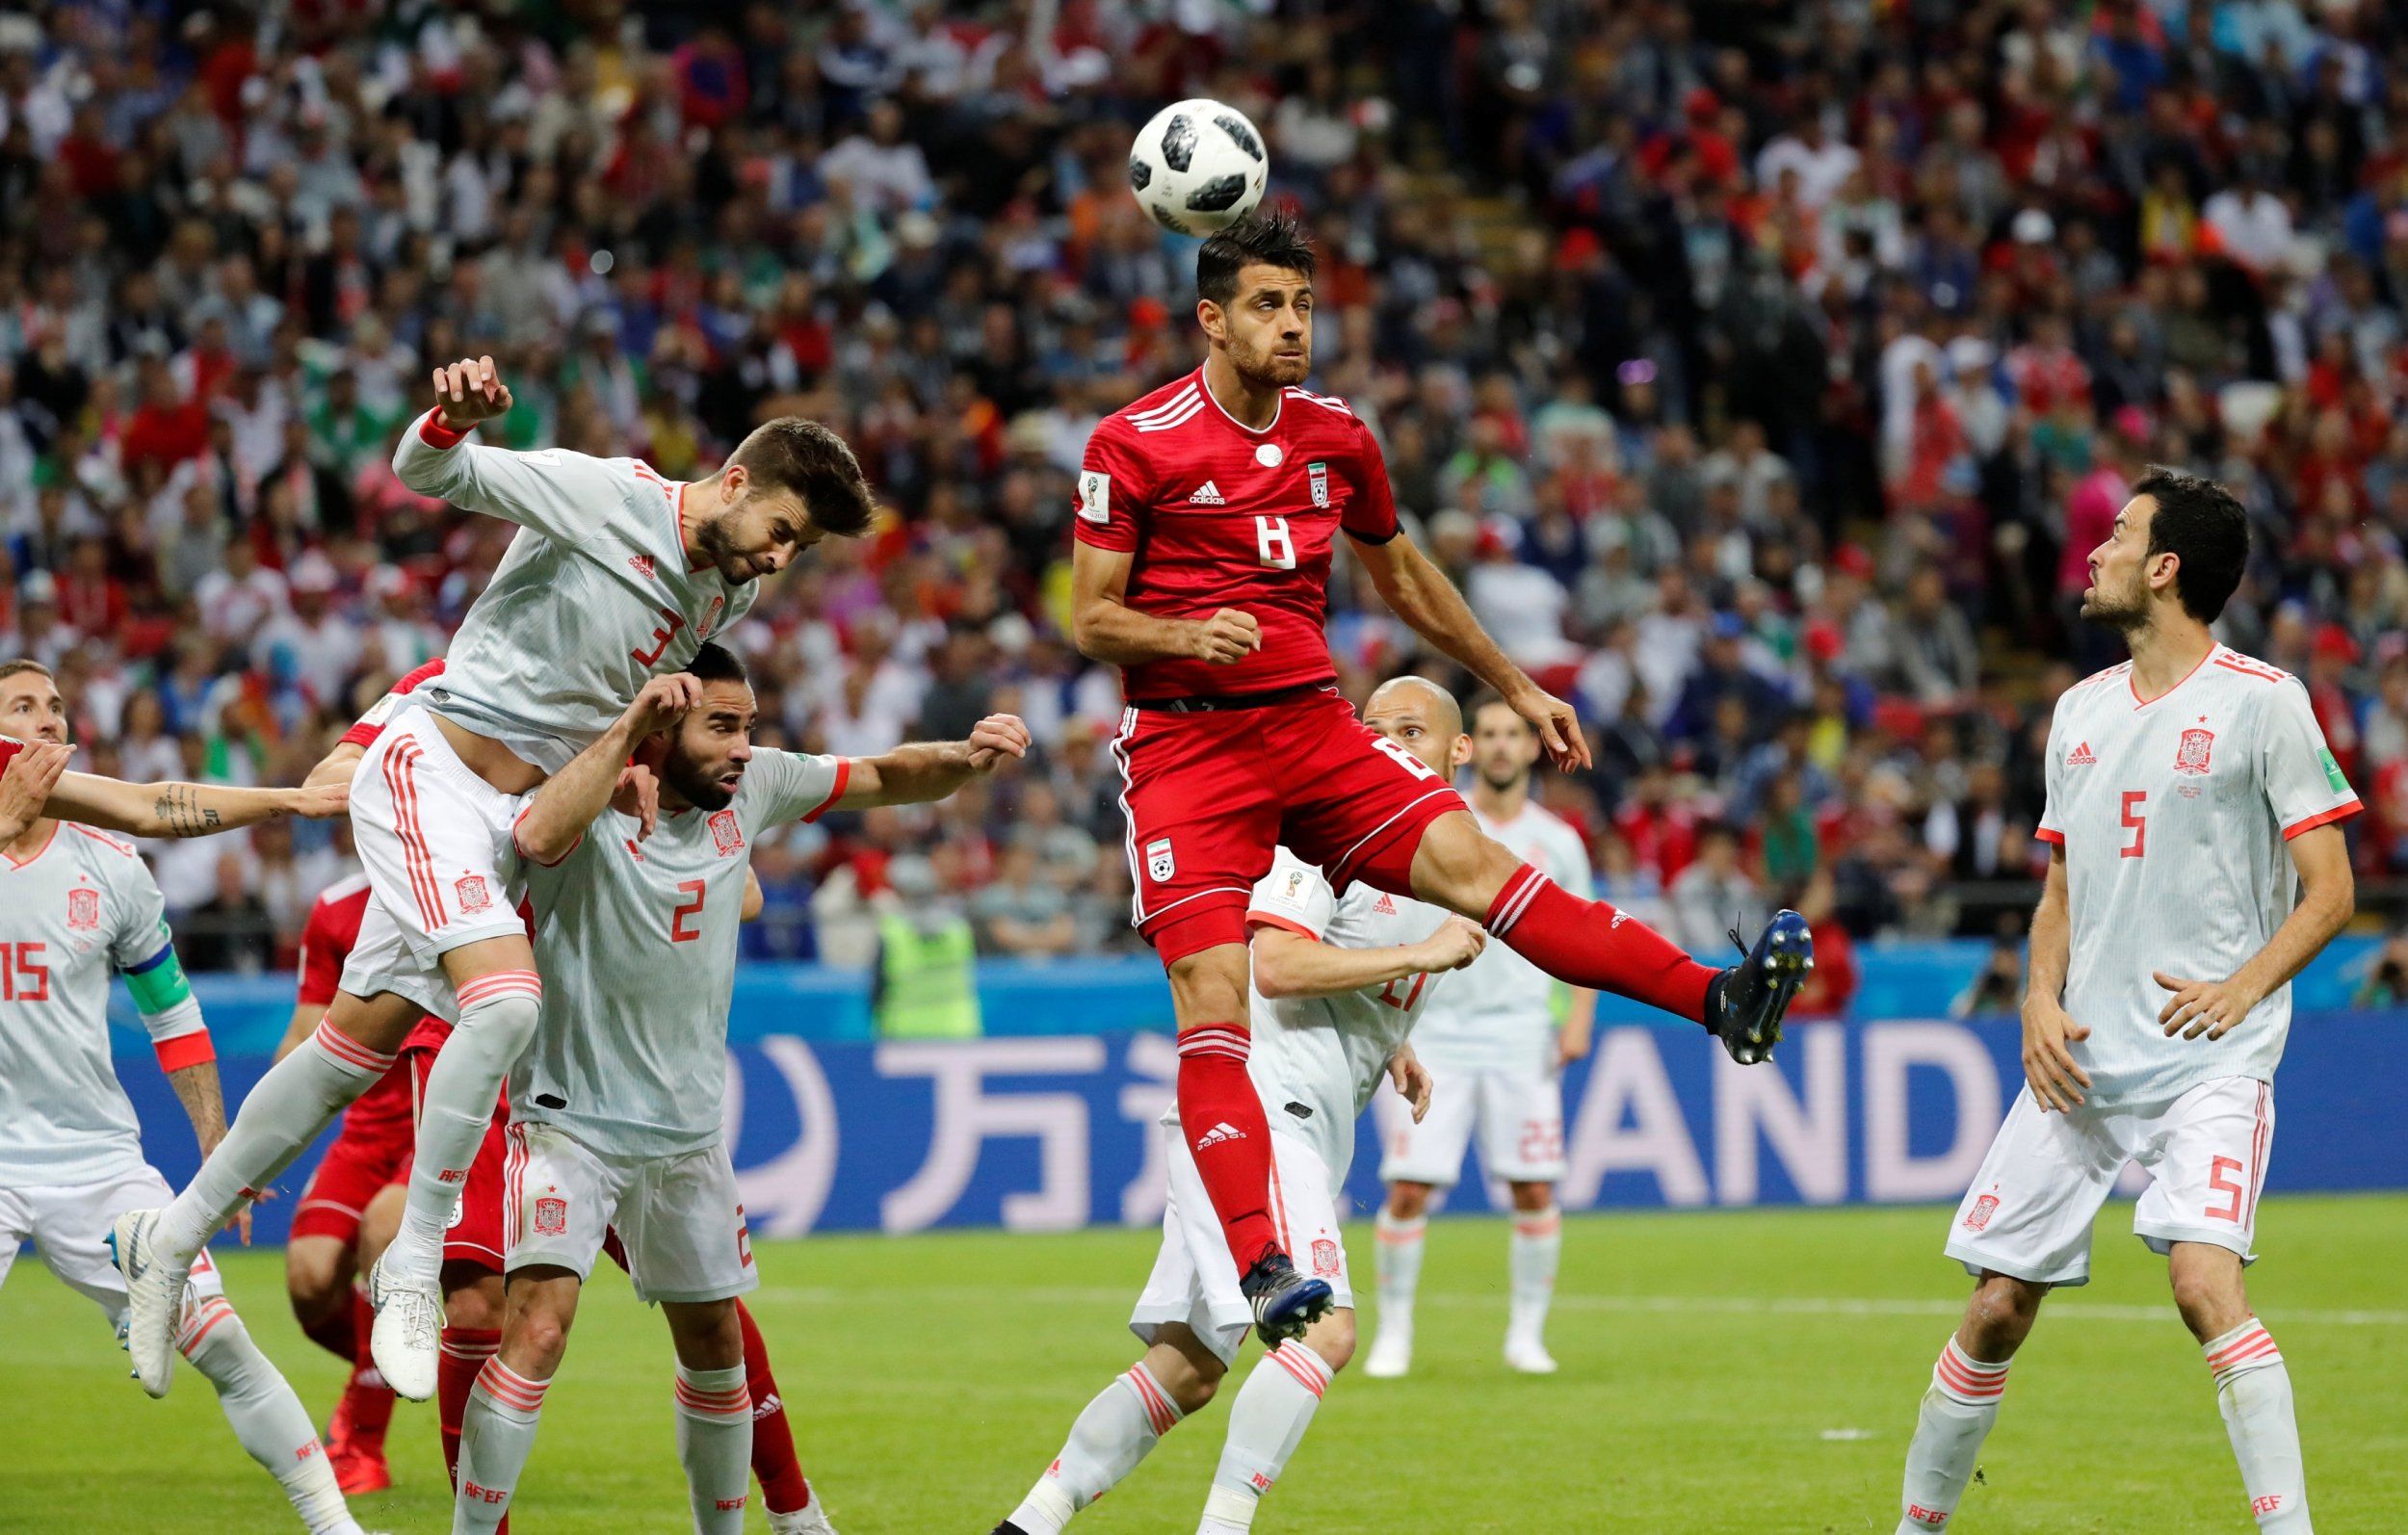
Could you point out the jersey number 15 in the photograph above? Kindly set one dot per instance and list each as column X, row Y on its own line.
column 23, row 977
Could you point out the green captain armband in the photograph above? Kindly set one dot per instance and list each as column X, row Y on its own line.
column 158, row 982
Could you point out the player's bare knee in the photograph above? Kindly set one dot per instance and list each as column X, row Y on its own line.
column 1407, row 1200
column 1999, row 1316
column 1185, row 1368
column 472, row 1297
column 380, row 1221
column 2207, row 1289
column 705, row 1334
column 380, row 1023
column 1534, row 1197
column 315, row 1279
column 1332, row 1338
column 1209, row 987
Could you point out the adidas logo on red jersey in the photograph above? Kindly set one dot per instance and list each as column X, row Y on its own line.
column 2081, row 757
column 1209, row 495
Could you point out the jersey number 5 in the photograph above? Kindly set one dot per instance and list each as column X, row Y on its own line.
column 2135, row 822
column 679, row 931
column 1272, row 544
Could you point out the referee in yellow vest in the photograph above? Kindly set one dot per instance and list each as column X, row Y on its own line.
column 925, row 984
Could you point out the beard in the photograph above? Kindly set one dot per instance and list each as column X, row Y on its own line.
column 716, row 537
column 2125, row 609
column 1502, row 778
column 1263, row 367
column 694, row 785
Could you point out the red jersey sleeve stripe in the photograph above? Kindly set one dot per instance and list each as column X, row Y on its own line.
column 2337, row 813
column 844, row 776
column 1264, row 919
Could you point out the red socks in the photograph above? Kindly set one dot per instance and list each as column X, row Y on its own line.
column 465, row 1352
column 1221, row 1115
column 1588, row 943
column 367, row 1400
column 783, row 1486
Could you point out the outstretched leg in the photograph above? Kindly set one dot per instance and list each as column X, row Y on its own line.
column 269, row 1420
column 1963, row 1400
column 1268, row 1420
column 1119, row 1429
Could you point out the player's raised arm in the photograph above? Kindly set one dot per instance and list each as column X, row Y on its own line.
column 175, row 809
column 1421, row 595
column 1289, row 963
column 558, row 814
column 919, row 771
column 28, row 772
column 555, row 491
column 1107, row 629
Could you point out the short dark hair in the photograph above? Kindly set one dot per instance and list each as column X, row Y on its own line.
column 1490, row 698
column 2202, row 524
column 1273, row 238
column 716, row 663
column 807, row 459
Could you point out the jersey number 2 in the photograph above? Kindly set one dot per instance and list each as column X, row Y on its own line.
column 2135, row 822
column 22, row 965
column 679, row 931
column 1272, row 544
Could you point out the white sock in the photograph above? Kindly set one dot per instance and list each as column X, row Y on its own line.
column 2252, row 1390
column 1398, row 1260
column 714, row 1445
column 1956, row 1415
column 267, row 1418
column 299, row 1096
column 1537, row 1249
column 1119, row 1429
column 497, row 1021
column 1266, row 1425
column 496, row 1436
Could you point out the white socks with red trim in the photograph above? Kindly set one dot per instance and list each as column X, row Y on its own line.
column 2253, row 1391
column 283, row 1113
column 1114, row 1432
column 1956, row 1415
column 1537, row 1251
column 714, row 1445
column 1397, row 1260
column 496, row 1437
column 1266, row 1425
column 267, row 1418
column 497, row 1022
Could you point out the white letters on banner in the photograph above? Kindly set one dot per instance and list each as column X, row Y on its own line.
column 1891, row 1171
column 1627, row 1077
column 1810, row 1138
column 967, row 1115
column 783, row 1196
column 1155, row 1058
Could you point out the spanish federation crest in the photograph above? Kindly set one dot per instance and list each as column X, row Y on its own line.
column 472, row 893
column 551, row 1217
column 1317, row 473
column 1324, row 1258
column 82, row 908
column 725, row 835
column 2191, row 756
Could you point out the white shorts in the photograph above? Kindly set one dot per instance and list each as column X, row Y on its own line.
column 1195, row 1279
column 2030, row 1211
column 1519, row 1115
column 678, row 1217
column 436, row 841
column 69, row 1225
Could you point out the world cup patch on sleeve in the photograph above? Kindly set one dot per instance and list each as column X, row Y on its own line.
column 1095, row 496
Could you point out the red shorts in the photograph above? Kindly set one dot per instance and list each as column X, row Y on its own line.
column 370, row 1153
column 474, row 1235
column 1211, row 795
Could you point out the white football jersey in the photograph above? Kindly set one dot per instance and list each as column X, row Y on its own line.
column 2173, row 815
column 636, row 942
column 71, row 916
column 1500, row 1014
column 592, row 598
column 1317, row 1060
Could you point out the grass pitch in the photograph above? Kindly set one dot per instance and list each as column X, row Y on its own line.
column 1743, row 1371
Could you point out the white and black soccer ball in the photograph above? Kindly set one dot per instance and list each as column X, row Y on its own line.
column 1198, row 167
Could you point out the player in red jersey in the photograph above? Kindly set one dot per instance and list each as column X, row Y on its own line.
column 475, row 1246
column 1206, row 515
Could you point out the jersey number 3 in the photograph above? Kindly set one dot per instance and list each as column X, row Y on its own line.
column 679, row 931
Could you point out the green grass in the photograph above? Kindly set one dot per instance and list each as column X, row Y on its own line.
column 1752, row 1371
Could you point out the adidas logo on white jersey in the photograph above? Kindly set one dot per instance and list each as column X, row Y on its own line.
column 1220, row 1133
column 2081, row 757
column 1208, row 496
column 1384, row 907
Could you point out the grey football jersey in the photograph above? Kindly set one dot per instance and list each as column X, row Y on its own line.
column 71, row 916
column 2173, row 815
column 1327, row 1055
column 592, row 598
column 636, row 942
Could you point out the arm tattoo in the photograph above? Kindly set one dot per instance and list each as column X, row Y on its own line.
column 196, row 1087
column 180, row 811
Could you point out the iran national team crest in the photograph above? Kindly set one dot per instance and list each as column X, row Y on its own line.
column 473, row 895
column 2191, row 756
column 725, row 835
column 1160, row 866
column 1979, row 1215
column 1324, row 1258
column 1319, row 474
column 83, row 908
column 551, row 1217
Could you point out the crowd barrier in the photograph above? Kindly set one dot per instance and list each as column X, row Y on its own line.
column 1049, row 1132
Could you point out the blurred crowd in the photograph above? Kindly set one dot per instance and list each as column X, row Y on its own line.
column 1764, row 371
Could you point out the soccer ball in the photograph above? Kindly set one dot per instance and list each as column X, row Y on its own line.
column 1198, row 167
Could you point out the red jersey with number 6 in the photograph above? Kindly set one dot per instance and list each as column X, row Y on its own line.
column 1218, row 515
